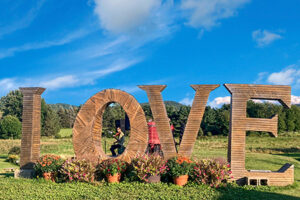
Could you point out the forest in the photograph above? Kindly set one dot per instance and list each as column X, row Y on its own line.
column 215, row 120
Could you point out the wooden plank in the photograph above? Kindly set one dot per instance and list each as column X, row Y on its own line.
column 239, row 123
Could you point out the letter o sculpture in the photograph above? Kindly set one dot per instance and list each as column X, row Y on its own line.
column 87, row 129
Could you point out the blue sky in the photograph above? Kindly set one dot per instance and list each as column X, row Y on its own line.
column 78, row 48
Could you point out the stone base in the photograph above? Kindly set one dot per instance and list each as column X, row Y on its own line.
column 24, row 173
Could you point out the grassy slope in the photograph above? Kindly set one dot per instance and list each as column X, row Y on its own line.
column 262, row 153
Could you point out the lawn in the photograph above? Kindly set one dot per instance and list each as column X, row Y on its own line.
column 262, row 153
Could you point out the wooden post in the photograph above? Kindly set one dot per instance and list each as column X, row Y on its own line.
column 31, row 127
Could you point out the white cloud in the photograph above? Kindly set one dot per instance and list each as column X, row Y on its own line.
column 119, row 16
column 66, row 81
column 7, row 85
column 23, row 22
column 285, row 77
column 219, row 101
column 133, row 88
column 186, row 101
column 86, row 78
column 207, row 13
column 264, row 37
column 45, row 44
column 295, row 99
column 59, row 82
column 261, row 77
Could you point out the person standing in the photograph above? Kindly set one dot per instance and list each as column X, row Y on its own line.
column 153, row 142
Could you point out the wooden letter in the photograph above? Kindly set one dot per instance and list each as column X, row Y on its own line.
column 239, row 123
column 87, row 129
column 31, row 126
column 162, row 123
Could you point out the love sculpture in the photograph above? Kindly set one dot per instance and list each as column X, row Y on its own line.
column 87, row 129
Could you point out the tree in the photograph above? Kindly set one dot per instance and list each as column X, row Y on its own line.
column 10, row 127
column 281, row 122
column 12, row 104
column 290, row 117
column 50, row 125
column 64, row 118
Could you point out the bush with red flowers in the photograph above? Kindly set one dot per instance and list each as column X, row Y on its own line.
column 112, row 167
column 149, row 165
column 77, row 170
column 178, row 166
column 48, row 163
column 211, row 172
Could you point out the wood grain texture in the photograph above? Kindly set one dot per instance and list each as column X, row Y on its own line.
column 283, row 177
column 239, row 123
column 162, row 122
column 31, row 126
column 87, row 129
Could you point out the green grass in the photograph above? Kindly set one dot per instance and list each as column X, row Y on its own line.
column 5, row 165
column 65, row 132
column 262, row 153
column 40, row 189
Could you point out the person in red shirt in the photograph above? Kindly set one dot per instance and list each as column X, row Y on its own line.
column 154, row 145
column 153, row 142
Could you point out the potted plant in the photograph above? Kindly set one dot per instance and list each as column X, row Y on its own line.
column 112, row 169
column 179, row 168
column 149, row 168
column 77, row 170
column 48, row 166
column 212, row 172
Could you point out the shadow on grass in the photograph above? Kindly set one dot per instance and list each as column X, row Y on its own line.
column 296, row 156
column 251, row 193
column 275, row 150
column 3, row 156
column 6, row 175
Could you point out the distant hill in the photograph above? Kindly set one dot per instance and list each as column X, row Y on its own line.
column 174, row 104
column 57, row 106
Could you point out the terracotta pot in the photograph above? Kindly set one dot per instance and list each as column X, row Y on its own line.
column 154, row 179
column 113, row 178
column 181, row 180
column 49, row 176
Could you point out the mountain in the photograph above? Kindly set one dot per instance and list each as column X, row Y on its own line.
column 174, row 104
column 57, row 106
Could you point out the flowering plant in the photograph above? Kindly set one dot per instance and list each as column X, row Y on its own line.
column 48, row 163
column 77, row 170
column 178, row 166
column 212, row 172
column 112, row 167
column 149, row 165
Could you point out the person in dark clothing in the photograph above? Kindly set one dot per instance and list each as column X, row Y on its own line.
column 119, row 143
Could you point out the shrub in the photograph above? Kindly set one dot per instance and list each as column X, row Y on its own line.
column 211, row 172
column 48, row 163
column 111, row 167
column 77, row 170
column 10, row 127
column 178, row 166
column 149, row 165
column 16, row 150
column 15, row 159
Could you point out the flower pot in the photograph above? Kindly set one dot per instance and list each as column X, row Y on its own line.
column 113, row 178
column 49, row 176
column 181, row 180
column 154, row 179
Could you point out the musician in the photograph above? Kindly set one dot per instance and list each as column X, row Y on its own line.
column 119, row 143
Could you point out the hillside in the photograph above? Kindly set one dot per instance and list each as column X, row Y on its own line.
column 174, row 104
column 65, row 106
